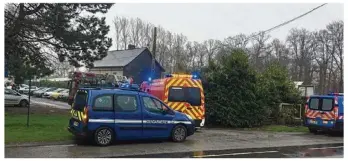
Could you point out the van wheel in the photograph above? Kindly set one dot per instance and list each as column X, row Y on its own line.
column 103, row 136
column 311, row 130
column 23, row 103
column 179, row 133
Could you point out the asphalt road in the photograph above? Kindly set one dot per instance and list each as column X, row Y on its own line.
column 50, row 103
column 307, row 151
column 207, row 143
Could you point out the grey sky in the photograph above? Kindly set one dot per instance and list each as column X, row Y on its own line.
column 200, row 22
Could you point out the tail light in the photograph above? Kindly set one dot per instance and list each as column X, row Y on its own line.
column 336, row 112
column 336, row 107
column 306, row 106
column 85, row 115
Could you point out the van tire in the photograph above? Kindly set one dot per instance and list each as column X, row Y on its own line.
column 104, row 136
column 179, row 133
column 312, row 130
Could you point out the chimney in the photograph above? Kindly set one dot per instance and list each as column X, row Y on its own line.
column 131, row 47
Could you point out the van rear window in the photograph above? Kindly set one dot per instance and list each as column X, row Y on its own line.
column 80, row 100
column 328, row 104
column 314, row 104
column 323, row 104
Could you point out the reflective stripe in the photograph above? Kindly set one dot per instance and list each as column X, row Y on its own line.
column 137, row 121
column 127, row 121
column 101, row 120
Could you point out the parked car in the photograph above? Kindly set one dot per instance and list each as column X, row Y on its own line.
column 55, row 95
column 49, row 94
column 14, row 98
column 40, row 93
column 106, row 115
column 63, row 96
column 32, row 89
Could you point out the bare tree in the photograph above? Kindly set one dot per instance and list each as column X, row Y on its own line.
column 300, row 42
column 335, row 30
column 322, row 55
column 258, row 50
column 211, row 47
column 124, row 22
column 118, row 30
column 135, row 30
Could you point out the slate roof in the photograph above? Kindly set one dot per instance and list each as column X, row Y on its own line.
column 119, row 58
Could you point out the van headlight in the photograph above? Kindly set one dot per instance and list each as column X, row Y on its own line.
column 188, row 116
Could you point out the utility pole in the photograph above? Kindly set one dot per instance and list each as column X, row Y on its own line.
column 29, row 103
column 153, row 52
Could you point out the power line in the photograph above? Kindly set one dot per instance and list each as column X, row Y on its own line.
column 287, row 22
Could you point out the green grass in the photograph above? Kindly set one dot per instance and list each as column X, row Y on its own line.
column 42, row 128
column 281, row 128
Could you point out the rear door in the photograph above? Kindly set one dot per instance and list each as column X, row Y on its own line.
column 128, row 116
column 321, row 111
column 77, row 111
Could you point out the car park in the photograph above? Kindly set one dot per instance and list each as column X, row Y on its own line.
column 14, row 98
column 40, row 93
column 105, row 115
column 55, row 95
column 49, row 94
column 63, row 96
column 32, row 89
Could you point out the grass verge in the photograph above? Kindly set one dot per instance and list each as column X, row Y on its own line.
column 42, row 128
column 281, row 128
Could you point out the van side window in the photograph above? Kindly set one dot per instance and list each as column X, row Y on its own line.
column 125, row 103
column 103, row 103
column 153, row 105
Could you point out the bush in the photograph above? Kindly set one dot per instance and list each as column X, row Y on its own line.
column 230, row 96
column 275, row 87
column 237, row 96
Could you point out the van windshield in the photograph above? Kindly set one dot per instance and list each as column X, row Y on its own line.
column 80, row 100
column 191, row 95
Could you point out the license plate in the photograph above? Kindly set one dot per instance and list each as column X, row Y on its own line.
column 313, row 122
column 76, row 123
column 325, row 122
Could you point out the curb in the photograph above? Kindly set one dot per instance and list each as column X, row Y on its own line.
column 14, row 145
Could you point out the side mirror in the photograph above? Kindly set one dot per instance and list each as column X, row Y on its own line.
column 18, row 94
column 164, row 112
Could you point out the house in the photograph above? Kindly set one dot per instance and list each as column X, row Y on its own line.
column 134, row 62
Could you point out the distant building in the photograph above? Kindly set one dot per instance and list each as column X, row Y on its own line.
column 134, row 62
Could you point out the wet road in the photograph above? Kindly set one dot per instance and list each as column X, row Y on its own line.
column 207, row 143
column 324, row 150
column 50, row 103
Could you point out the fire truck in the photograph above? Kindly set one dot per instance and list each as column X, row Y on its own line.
column 181, row 92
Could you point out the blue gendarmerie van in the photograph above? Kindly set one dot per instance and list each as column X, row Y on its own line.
column 106, row 115
column 324, row 113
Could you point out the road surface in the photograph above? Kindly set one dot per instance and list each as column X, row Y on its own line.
column 50, row 103
column 207, row 143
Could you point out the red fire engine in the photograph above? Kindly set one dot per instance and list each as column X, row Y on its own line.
column 181, row 92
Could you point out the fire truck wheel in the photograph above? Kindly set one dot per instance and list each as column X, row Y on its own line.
column 179, row 133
